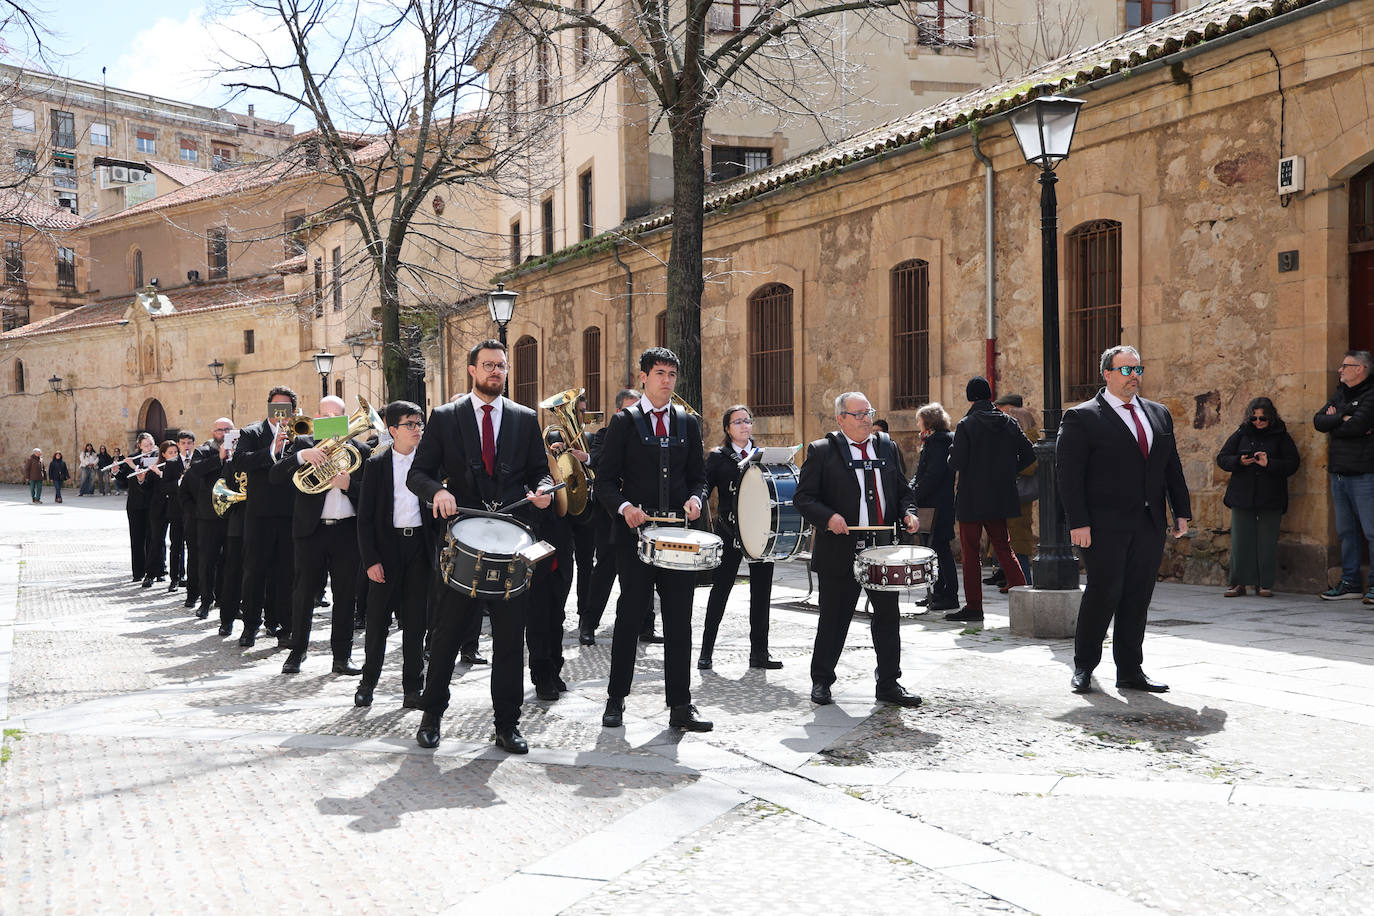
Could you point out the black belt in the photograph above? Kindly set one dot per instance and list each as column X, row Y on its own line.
column 336, row 521
column 408, row 532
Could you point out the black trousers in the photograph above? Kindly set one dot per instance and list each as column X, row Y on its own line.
column 637, row 582
column 454, row 616
column 155, row 550
column 436, row 595
column 404, row 593
column 138, row 540
column 176, row 546
column 760, row 593
column 1121, row 570
column 839, row 595
column 332, row 549
column 210, row 542
column 544, row 625
column 602, row 578
column 230, row 594
column 267, row 572
column 584, row 558
column 191, row 575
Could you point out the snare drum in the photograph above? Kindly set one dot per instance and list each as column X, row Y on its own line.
column 769, row 527
column 490, row 557
column 891, row 569
column 679, row 548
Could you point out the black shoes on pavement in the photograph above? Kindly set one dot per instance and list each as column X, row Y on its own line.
column 512, row 742
column 685, row 717
column 1082, row 681
column 345, row 666
column 1136, row 680
column 820, row 695
column 292, row 665
column 896, row 695
column 614, row 716
column 427, row 735
column 967, row 615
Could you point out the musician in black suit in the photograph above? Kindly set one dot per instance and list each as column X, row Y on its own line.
column 207, row 466
column 603, row 568
column 186, row 515
column 1117, row 465
column 160, row 486
column 396, row 544
column 324, row 534
column 553, row 579
column 490, row 460
column 267, row 548
column 854, row 477
column 722, row 475
column 651, row 464
column 129, row 472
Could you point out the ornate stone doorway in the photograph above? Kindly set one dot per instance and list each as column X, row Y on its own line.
column 154, row 420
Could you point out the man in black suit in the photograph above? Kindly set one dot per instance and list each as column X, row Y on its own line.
column 854, row 477
column 130, row 471
column 651, row 464
column 490, row 457
column 603, row 569
column 1117, row 464
column 396, row 545
column 206, row 467
column 267, row 555
column 324, row 534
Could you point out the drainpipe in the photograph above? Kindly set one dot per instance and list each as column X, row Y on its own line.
column 989, row 266
column 629, row 317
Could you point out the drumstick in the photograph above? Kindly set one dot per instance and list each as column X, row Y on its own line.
column 870, row 527
column 524, row 499
column 664, row 518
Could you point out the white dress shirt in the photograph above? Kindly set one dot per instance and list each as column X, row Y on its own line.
column 336, row 502
column 405, row 505
column 1119, row 408
column 872, row 445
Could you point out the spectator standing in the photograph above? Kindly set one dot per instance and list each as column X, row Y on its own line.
column 58, row 474
column 1348, row 421
column 988, row 451
column 1027, row 491
column 33, row 473
column 1260, row 457
column 933, row 487
column 103, row 460
column 88, row 470
column 121, row 481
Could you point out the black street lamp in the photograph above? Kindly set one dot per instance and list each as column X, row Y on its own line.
column 1044, row 129
column 324, row 362
column 56, row 383
column 501, row 305
column 217, row 370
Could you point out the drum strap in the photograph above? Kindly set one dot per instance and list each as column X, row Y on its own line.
column 664, row 445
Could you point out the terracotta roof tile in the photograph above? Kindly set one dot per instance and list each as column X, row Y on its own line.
column 31, row 210
column 182, row 174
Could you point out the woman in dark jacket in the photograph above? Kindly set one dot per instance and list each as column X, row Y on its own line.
column 722, row 472
column 933, row 486
column 58, row 473
column 1260, row 457
column 160, row 486
column 103, row 460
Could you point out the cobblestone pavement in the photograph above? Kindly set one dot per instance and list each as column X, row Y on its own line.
column 153, row 767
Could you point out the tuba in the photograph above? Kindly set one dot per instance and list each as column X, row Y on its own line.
column 223, row 498
column 565, row 467
column 343, row 456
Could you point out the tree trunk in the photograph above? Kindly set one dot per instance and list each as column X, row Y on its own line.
column 685, row 283
column 395, row 359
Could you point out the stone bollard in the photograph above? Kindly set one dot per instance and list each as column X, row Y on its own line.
column 1044, row 613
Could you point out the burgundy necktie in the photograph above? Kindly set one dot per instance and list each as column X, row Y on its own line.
column 871, row 484
column 1139, row 431
column 743, row 453
column 488, row 440
column 659, row 428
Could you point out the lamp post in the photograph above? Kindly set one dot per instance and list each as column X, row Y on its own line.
column 217, row 370
column 56, row 383
column 501, row 305
column 357, row 348
column 324, row 362
column 1044, row 129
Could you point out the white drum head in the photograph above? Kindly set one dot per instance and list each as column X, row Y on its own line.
column 490, row 535
column 899, row 554
column 754, row 511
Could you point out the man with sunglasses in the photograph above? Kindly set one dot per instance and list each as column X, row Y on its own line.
column 1347, row 419
column 1117, row 465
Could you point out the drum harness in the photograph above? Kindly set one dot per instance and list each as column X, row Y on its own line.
column 664, row 445
column 882, row 445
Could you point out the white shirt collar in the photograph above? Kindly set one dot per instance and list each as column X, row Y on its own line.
column 648, row 407
column 1116, row 402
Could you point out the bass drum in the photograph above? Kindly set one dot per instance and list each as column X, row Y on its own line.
column 769, row 527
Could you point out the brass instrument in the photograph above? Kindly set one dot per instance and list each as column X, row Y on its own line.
column 681, row 402
column 300, row 424
column 564, row 466
column 223, row 498
column 342, row 456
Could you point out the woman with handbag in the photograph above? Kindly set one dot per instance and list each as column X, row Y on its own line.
column 1260, row 457
column 933, row 486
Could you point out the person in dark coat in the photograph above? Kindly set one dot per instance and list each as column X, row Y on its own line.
column 34, row 474
column 58, row 474
column 1347, row 419
column 933, row 486
column 989, row 450
column 160, row 488
column 103, row 460
column 1260, row 457
column 130, row 471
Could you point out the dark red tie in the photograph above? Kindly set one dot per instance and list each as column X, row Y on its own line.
column 659, row 428
column 743, row 453
column 1139, row 431
column 488, row 440
column 871, row 484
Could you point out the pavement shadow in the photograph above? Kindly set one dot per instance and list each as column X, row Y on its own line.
column 419, row 784
column 749, row 693
column 1135, row 717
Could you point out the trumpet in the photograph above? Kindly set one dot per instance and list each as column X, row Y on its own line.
column 223, row 498
column 564, row 466
column 300, row 424
column 342, row 456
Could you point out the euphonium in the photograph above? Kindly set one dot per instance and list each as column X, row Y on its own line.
column 223, row 498
column 342, row 457
column 680, row 401
column 565, row 467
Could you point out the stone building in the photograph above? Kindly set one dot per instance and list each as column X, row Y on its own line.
column 44, row 267
column 907, row 258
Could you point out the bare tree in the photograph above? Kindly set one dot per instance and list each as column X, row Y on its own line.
column 1052, row 29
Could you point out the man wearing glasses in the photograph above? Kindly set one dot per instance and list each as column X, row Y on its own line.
column 1117, row 464
column 1347, row 419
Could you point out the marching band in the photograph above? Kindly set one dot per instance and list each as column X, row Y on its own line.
column 479, row 512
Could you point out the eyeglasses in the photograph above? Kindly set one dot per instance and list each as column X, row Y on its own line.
column 1128, row 371
column 1259, row 418
column 868, row 414
column 412, row 424
column 494, row 367
column 746, row 421
column 1349, row 366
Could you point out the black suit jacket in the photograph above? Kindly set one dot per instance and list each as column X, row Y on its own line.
column 827, row 485
column 1104, row 481
column 452, row 450
column 305, row 517
column 722, row 472
column 628, row 467
column 377, row 540
column 139, row 495
column 200, row 477
column 253, row 456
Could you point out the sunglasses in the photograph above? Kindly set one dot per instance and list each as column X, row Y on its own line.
column 1128, row 371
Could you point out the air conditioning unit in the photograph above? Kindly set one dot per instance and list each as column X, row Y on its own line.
column 119, row 173
column 1292, row 174
column 136, row 175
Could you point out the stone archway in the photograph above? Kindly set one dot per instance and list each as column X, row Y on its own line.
column 153, row 418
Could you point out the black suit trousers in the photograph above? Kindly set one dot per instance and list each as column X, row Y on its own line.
column 209, row 557
column 453, row 623
column 332, row 549
column 603, row 574
column 229, row 596
column 404, row 593
column 267, row 572
column 156, row 548
column 675, row 587
column 191, row 574
column 1121, row 570
column 584, row 553
column 760, row 593
column 544, row 627
column 839, row 595
column 138, row 540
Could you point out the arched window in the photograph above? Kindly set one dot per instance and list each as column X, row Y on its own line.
column 591, row 366
column 527, row 372
column 136, row 268
column 1092, row 262
column 770, row 351
column 910, row 303
column 18, row 376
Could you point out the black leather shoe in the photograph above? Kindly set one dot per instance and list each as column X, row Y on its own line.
column 345, row 666
column 546, row 690
column 225, row 631
column 587, row 637
column 472, row 658
column 967, row 615
column 945, row 605
column 512, row 742
column 292, row 665
column 1082, row 681
column 203, row 612
column 427, row 735
column 190, row 601
column 613, row 717
column 147, row 581
column 247, row 640
column 768, row 664
column 561, row 684
column 1138, row 681
column 896, row 695
column 284, row 641
column 174, row 584
column 412, row 700
column 363, row 695
column 924, row 602
column 686, row 718
column 704, row 663
column 650, row 636
column 820, row 695
column 997, row 578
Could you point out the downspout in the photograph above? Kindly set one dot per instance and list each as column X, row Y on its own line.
column 989, row 264
column 629, row 317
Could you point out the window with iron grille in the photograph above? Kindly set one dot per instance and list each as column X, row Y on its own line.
column 1143, row 12
column 217, row 254
column 733, row 161
column 63, row 129
column 546, row 209
column 730, row 15
column 66, row 268
column 661, row 329
column 14, row 263
column 515, row 243
column 64, row 170
column 944, row 23
column 510, row 103
column 294, row 229
column 542, row 77
column 14, row 314
column 1092, row 261
column 1362, row 207
column 527, row 372
column 591, row 366
column 336, row 278
column 249, row 344
column 319, row 287
column 584, row 204
column 770, row 351
column 910, row 298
